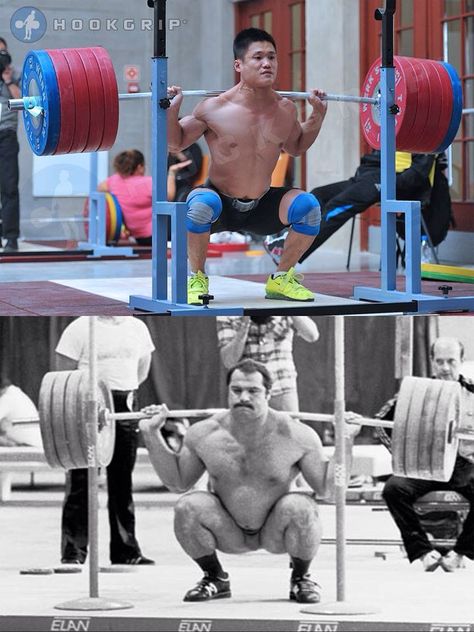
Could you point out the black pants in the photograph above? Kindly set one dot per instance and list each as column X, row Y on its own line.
column 341, row 201
column 401, row 493
column 9, row 197
column 74, row 532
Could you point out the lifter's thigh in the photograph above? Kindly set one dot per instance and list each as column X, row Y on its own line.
column 200, row 514
column 292, row 523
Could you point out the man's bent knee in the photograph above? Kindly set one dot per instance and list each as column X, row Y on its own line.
column 204, row 208
column 193, row 505
column 304, row 214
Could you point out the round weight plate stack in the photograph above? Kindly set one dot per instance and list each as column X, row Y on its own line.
column 114, row 220
column 44, row 406
column 445, row 441
column 110, row 92
column 456, row 114
column 67, row 105
column 39, row 79
column 96, row 99
column 73, row 411
column 81, row 99
column 429, row 96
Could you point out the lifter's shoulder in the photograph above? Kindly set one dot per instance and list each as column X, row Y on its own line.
column 203, row 430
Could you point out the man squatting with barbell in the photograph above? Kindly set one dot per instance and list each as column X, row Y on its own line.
column 401, row 493
column 246, row 128
column 252, row 454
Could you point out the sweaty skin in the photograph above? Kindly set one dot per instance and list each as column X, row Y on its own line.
column 247, row 126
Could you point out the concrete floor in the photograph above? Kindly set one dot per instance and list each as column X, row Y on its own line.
column 399, row 595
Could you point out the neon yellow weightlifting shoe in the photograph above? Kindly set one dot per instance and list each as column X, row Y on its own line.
column 198, row 284
column 287, row 287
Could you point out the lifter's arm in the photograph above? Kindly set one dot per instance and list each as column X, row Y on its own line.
column 178, row 471
column 304, row 134
column 183, row 133
column 317, row 469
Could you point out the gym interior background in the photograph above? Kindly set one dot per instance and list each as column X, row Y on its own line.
column 321, row 43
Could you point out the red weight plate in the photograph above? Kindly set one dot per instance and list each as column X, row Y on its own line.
column 422, row 108
column 369, row 114
column 66, row 100
column 96, row 99
column 81, row 97
column 431, row 129
column 446, row 101
column 110, row 97
column 406, row 96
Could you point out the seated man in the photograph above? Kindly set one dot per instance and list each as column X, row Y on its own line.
column 246, row 128
column 17, row 415
column 400, row 493
column 419, row 177
column 252, row 454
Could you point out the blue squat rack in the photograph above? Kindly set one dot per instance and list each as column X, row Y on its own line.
column 175, row 212
column 390, row 206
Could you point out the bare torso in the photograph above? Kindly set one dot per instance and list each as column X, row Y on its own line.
column 245, row 136
column 250, row 476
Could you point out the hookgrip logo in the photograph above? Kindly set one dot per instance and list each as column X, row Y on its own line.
column 28, row 24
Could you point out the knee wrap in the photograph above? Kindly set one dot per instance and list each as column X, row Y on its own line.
column 304, row 214
column 204, row 208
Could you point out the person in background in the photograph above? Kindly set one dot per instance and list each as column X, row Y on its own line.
column 267, row 339
column 401, row 493
column 124, row 349
column 9, row 149
column 18, row 417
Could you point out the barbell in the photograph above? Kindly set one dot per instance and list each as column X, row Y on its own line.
column 431, row 417
column 70, row 102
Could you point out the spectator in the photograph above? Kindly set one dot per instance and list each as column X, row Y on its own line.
column 17, row 413
column 124, row 349
column 267, row 339
column 9, row 148
column 133, row 188
column 419, row 177
column 401, row 493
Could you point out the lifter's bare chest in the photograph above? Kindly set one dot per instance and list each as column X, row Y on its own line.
column 253, row 132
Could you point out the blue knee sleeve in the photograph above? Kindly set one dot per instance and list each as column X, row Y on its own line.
column 204, row 208
column 304, row 214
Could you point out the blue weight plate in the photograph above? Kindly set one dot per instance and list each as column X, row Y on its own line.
column 39, row 79
column 457, row 108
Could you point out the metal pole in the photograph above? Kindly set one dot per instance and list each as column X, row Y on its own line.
column 92, row 479
column 340, row 457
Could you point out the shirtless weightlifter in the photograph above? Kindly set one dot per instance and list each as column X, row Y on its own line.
column 252, row 453
column 246, row 128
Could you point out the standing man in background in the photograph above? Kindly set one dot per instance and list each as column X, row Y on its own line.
column 9, row 148
column 124, row 348
column 269, row 340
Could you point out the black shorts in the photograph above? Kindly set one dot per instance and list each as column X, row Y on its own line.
column 263, row 219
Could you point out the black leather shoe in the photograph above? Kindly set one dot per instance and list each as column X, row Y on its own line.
column 11, row 245
column 72, row 560
column 139, row 560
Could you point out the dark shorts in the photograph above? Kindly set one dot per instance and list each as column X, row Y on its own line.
column 263, row 219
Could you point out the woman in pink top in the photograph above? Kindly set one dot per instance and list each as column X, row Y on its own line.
column 133, row 190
